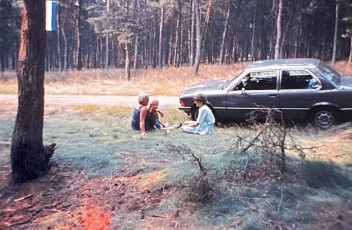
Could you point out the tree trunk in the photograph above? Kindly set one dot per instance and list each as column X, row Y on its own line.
column 191, row 52
column 28, row 157
column 65, row 38
column 177, row 52
column 205, row 42
column 79, row 35
column 278, row 32
column 222, row 47
column 127, row 63
column 135, row 62
column 198, row 38
column 65, row 49
column 350, row 57
column 161, row 26
column 253, row 30
column 335, row 33
column 58, row 39
column 107, row 37
column 287, row 27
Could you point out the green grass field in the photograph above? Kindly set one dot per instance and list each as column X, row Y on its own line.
column 106, row 176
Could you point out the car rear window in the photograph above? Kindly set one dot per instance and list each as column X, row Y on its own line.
column 330, row 74
column 298, row 79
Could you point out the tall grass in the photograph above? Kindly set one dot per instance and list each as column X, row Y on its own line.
column 167, row 81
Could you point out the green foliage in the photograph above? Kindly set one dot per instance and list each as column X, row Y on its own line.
column 118, row 21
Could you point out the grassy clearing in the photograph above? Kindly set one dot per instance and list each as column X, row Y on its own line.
column 106, row 176
column 154, row 182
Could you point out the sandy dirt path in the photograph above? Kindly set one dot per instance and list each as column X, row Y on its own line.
column 67, row 100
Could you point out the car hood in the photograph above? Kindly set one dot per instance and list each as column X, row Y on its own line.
column 204, row 86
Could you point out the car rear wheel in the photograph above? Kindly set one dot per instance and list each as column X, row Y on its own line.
column 324, row 118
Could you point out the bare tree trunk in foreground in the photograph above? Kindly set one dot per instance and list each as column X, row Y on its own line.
column 29, row 157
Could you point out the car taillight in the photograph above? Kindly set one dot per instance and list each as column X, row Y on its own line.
column 182, row 103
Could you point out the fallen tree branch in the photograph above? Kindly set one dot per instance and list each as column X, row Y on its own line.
column 23, row 198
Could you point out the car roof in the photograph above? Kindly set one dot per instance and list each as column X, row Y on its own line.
column 307, row 63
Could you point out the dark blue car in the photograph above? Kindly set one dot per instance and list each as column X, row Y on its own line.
column 300, row 89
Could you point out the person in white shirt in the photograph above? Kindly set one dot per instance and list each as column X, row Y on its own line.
column 205, row 120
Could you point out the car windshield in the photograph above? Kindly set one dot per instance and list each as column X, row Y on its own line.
column 330, row 74
column 228, row 82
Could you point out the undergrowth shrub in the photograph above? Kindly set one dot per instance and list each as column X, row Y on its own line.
column 201, row 186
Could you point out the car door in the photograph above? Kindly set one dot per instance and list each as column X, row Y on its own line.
column 299, row 90
column 254, row 94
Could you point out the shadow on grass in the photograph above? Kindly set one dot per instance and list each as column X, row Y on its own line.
column 319, row 174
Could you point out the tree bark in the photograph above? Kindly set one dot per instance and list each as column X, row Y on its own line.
column 287, row 27
column 335, row 33
column 177, row 52
column 198, row 38
column 79, row 35
column 191, row 52
column 278, row 32
column 28, row 157
column 161, row 27
column 222, row 47
column 350, row 57
column 127, row 63
column 253, row 30
column 206, row 45
column 58, row 38
column 135, row 60
column 63, row 32
column 107, row 37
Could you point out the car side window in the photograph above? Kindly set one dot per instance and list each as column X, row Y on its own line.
column 298, row 79
column 261, row 80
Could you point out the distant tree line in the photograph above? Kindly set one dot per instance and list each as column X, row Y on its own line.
column 156, row 33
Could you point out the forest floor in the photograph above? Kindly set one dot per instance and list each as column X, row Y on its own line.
column 106, row 176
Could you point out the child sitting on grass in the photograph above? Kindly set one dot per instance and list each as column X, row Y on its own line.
column 153, row 115
column 205, row 120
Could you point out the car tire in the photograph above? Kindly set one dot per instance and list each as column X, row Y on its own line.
column 194, row 112
column 324, row 117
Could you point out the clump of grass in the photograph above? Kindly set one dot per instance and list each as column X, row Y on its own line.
column 118, row 109
column 87, row 108
column 150, row 180
column 174, row 116
column 107, row 110
column 8, row 86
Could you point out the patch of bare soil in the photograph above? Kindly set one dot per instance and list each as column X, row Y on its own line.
column 66, row 199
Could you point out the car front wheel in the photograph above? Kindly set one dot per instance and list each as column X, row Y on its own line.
column 324, row 118
column 194, row 112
